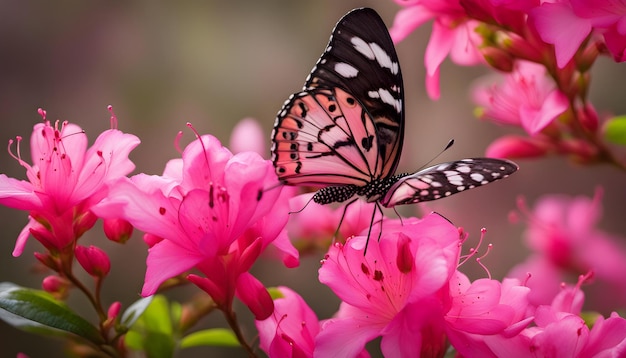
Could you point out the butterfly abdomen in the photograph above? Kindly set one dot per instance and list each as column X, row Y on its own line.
column 334, row 194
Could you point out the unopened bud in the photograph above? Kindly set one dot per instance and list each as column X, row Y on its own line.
column 118, row 230
column 94, row 260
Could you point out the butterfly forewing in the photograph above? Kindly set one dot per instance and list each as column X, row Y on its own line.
column 446, row 179
column 325, row 137
column 316, row 146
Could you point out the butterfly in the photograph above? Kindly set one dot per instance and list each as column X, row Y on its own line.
column 343, row 132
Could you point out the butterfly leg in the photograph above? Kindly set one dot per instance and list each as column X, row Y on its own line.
column 369, row 232
column 343, row 215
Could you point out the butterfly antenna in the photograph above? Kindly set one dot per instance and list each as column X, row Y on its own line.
column 448, row 146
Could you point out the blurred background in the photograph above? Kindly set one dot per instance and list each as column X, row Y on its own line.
column 161, row 64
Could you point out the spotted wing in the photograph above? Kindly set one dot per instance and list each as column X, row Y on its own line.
column 445, row 179
column 325, row 137
column 361, row 59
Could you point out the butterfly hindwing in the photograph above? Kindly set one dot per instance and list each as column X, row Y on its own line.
column 446, row 179
column 358, row 75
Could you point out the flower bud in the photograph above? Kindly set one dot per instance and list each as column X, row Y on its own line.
column 498, row 59
column 112, row 314
column 588, row 118
column 94, row 260
column 151, row 239
column 118, row 230
column 83, row 223
column 47, row 260
column 56, row 286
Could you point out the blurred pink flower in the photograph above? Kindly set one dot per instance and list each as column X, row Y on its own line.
column 453, row 34
column 390, row 292
column 513, row 146
column 65, row 180
column 562, row 232
column 567, row 24
column 527, row 98
column 248, row 136
column 212, row 213
column 312, row 225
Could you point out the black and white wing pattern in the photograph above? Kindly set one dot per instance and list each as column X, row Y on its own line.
column 445, row 179
column 346, row 127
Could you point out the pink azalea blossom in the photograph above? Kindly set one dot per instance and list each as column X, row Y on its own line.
column 391, row 291
column 567, row 24
column 65, row 180
column 211, row 212
column 527, row 98
column 562, row 232
column 484, row 312
column 453, row 34
column 561, row 332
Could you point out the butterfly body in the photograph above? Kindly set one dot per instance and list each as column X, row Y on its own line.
column 344, row 131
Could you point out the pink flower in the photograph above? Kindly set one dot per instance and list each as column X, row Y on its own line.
column 314, row 226
column 65, row 180
column 212, row 213
column 391, row 292
column 526, row 98
column 561, row 332
column 562, row 232
column 453, row 34
column 566, row 25
column 483, row 312
column 513, row 146
column 291, row 329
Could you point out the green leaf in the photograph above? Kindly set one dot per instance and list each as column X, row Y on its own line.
column 134, row 311
column 615, row 130
column 37, row 311
column 210, row 337
column 152, row 331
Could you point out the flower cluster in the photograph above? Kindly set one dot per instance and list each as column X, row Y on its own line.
column 544, row 51
column 213, row 214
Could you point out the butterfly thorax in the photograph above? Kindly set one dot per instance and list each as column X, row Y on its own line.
column 372, row 191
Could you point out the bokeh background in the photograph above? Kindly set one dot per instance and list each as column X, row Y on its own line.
column 161, row 64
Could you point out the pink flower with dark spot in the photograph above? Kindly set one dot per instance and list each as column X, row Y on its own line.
column 391, row 291
column 211, row 212
column 65, row 180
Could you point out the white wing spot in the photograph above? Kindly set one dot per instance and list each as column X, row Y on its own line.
column 374, row 52
column 386, row 97
column 346, row 70
column 477, row 177
column 460, row 188
column 464, row 169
